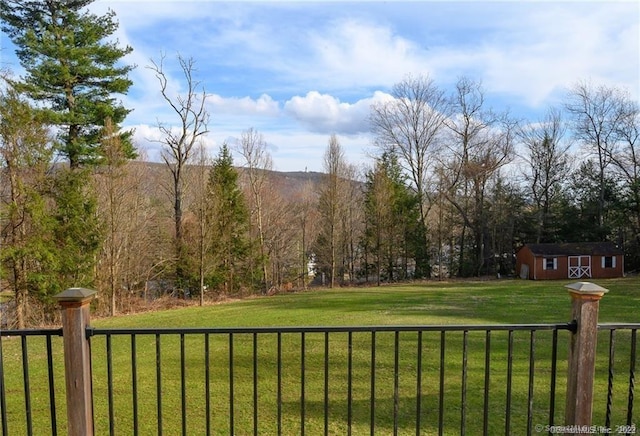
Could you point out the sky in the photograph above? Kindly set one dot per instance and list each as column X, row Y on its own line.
column 299, row 71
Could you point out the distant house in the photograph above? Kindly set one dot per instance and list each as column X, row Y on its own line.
column 583, row 260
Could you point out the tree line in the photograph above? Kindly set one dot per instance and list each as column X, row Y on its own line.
column 455, row 188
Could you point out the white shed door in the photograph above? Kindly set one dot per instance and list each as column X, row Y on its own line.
column 579, row 267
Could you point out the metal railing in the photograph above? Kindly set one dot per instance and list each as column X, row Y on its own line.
column 21, row 391
column 366, row 354
column 382, row 359
column 447, row 379
column 632, row 330
column 334, row 367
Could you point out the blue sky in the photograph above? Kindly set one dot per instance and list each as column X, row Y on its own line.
column 299, row 71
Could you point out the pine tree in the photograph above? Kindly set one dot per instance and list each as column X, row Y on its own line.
column 25, row 155
column 393, row 219
column 72, row 69
column 229, row 223
column 77, row 233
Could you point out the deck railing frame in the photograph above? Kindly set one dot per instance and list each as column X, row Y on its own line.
column 77, row 334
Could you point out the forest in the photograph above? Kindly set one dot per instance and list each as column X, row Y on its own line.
column 456, row 186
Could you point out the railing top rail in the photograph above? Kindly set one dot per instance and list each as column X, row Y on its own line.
column 92, row 331
column 32, row 332
column 619, row 325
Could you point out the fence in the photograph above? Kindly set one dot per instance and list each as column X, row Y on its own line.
column 475, row 379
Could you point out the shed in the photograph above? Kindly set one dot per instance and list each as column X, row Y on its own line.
column 594, row 260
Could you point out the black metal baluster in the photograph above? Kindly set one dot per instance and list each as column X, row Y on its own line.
column 531, row 381
column 507, row 422
column 255, row 383
column 487, row 363
column 463, row 400
column 349, row 382
column 632, row 372
column 326, row 383
column 3, row 398
column 27, row 388
column 207, row 384
column 419, row 383
column 159, row 383
column 302, row 381
column 111, row 412
column 52, row 389
column 396, row 381
column 612, row 339
column 441, row 393
column 134, row 383
column 279, row 394
column 372, row 400
column 183, row 385
column 231, row 427
column 554, row 371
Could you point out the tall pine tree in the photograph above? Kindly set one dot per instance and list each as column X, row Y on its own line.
column 229, row 221
column 393, row 220
column 72, row 69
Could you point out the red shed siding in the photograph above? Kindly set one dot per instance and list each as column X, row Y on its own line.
column 607, row 273
column 537, row 270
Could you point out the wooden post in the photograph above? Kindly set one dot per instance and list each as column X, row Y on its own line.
column 74, row 303
column 585, row 299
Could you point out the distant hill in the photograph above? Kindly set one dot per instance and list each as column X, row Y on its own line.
column 287, row 183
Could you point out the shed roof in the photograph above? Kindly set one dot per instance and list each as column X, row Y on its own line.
column 575, row 249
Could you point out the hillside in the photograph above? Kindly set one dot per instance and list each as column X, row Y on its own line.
column 287, row 183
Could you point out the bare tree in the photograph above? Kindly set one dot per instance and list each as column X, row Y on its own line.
column 546, row 154
column 129, row 248
column 281, row 235
column 305, row 206
column 352, row 220
column 481, row 143
column 627, row 160
column 200, row 178
column 380, row 218
column 257, row 160
column 410, row 126
column 331, row 204
column 112, row 207
column 596, row 114
column 179, row 140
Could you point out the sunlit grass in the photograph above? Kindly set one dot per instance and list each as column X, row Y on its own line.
column 491, row 302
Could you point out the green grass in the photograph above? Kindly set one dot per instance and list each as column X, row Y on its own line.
column 490, row 302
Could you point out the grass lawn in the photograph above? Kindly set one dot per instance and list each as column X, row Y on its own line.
column 487, row 302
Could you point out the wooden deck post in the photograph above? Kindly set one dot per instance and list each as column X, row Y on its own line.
column 74, row 303
column 585, row 299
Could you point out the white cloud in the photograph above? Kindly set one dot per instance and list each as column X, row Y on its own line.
column 354, row 53
column 263, row 105
column 325, row 113
column 549, row 48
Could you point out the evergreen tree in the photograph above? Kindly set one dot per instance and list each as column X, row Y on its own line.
column 393, row 218
column 25, row 155
column 71, row 69
column 77, row 234
column 229, row 221
column 590, row 194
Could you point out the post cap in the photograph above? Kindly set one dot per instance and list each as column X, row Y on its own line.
column 75, row 294
column 586, row 288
